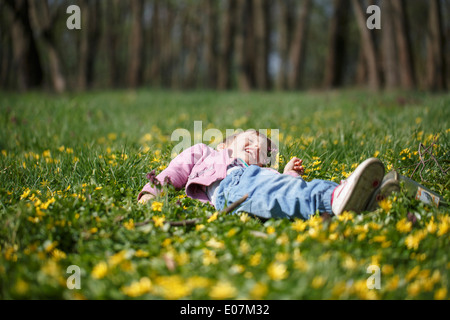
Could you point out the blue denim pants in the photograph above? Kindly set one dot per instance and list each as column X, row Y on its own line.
column 272, row 195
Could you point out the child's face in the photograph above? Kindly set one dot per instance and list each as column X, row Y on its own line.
column 249, row 147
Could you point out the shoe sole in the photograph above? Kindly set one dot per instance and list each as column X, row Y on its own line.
column 371, row 173
column 387, row 188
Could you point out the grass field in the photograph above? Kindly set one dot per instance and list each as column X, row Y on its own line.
column 71, row 167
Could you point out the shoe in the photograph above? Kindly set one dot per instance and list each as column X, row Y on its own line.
column 353, row 194
column 389, row 185
column 410, row 187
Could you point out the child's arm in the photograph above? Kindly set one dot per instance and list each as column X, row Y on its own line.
column 177, row 172
column 294, row 167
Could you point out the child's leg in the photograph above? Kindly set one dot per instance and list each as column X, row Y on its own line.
column 272, row 195
column 281, row 196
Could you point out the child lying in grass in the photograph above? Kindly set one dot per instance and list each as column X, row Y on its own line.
column 223, row 176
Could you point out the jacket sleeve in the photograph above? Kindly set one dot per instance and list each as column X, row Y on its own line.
column 179, row 169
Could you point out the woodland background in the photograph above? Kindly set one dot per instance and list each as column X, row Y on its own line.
column 218, row 44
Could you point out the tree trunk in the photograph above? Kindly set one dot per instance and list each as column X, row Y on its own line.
column 192, row 42
column 389, row 53
column 88, row 43
column 336, row 44
column 280, row 81
column 44, row 21
column 167, row 48
column 226, row 47
column 406, row 65
column 26, row 57
column 436, row 66
column 368, row 47
column 210, row 44
column 260, row 25
column 136, row 44
column 242, row 38
column 297, row 50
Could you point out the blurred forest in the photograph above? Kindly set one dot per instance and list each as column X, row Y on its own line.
column 224, row 44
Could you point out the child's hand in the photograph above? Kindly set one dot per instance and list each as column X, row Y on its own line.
column 295, row 164
column 146, row 197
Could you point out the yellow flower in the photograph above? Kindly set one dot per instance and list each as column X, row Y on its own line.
column 118, row 257
column 112, row 136
column 231, row 232
column 403, row 226
column 349, row 263
column 443, row 227
column 345, row 216
column 223, row 290
column 129, row 225
column 277, row 271
column 440, row 294
column 49, row 246
column 199, row 227
column 213, row 243
column 159, row 221
column 387, row 269
column 318, row 282
column 197, row 282
column 386, row 205
column 172, row 287
column 299, row 225
column 213, row 217
column 21, row 286
column 412, row 241
column 157, row 206
column 100, row 270
column 25, row 194
column 270, row 229
column 10, row 254
column 46, row 154
column 431, row 226
column 393, row 283
column 244, row 217
column 141, row 253
column 414, row 288
column 255, row 259
column 379, row 238
column 259, row 291
column 58, row 254
column 138, row 288
column 209, row 257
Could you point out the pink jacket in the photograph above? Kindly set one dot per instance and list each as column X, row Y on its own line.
column 195, row 168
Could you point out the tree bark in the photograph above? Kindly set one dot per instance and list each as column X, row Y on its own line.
column 88, row 43
column 336, row 44
column 389, row 53
column 368, row 48
column 406, row 65
column 241, row 43
column 211, row 33
column 44, row 21
column 191, row 45
column 26, row 57
column 136, row 44
column 260, row 25
column 297, row 50
column 280, row 81
column 226, row 47
column 436, row 64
